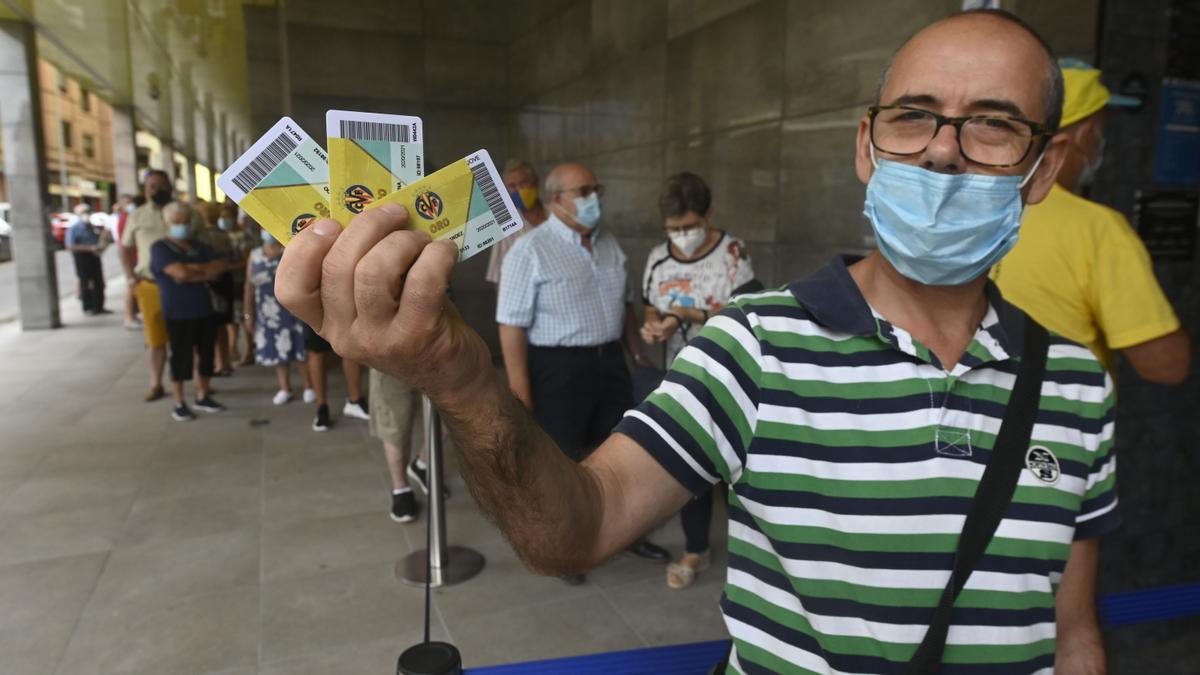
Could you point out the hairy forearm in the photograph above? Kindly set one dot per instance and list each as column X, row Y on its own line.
column 1080, row 647
column 548, row 506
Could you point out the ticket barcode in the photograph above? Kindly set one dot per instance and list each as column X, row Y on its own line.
column 376, row 131
column 491, row 194
column 271, row 156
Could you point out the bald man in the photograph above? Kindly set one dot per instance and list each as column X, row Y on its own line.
column 852, row 413
column 566, row 320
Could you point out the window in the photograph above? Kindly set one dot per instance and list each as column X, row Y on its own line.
column 85, row 100
column 89, row 146
column 66, row 135
column 62, row 80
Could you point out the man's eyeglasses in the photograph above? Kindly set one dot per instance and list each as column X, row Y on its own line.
column 990, row 140
column 586, row 191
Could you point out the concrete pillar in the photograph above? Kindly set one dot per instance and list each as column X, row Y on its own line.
column 24, row 169
column 124, row 150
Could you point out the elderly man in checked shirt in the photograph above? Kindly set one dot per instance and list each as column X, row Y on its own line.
column 565, row 308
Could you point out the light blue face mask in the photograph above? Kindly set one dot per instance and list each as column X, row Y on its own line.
column 226, row 224
column 587, row 210
column 941, row 229
column 181, row 232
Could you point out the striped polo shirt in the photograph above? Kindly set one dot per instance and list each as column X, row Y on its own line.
column 852, row 456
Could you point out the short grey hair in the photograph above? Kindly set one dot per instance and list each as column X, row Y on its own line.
column 1053, row 97
column 173, row 210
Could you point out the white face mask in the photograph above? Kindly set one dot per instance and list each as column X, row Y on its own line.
column 688, row 241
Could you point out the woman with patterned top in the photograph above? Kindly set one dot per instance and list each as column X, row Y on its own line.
column 689, row 277
column 278, row 336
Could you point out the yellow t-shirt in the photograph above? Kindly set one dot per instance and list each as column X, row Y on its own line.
column 1082, row 272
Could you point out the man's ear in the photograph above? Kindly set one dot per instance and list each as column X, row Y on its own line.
column 862, row 151
column 1043, row 179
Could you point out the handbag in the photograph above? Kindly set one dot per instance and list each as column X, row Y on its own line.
column 993, row 495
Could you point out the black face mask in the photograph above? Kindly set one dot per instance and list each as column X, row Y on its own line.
column 161, row 197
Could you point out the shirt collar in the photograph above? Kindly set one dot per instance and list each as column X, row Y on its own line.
column 561, row 229
column 835, row 301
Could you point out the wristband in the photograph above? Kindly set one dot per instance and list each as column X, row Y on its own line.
column 678, row 319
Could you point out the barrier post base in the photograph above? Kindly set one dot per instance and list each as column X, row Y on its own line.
column 461, row 564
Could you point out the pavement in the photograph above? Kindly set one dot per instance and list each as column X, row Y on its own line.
column 9, row 306
column 244, row 542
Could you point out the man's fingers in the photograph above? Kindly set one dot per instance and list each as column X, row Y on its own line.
column 298, row 279
column 424, row 293
column 337, row 278
column 380, row 274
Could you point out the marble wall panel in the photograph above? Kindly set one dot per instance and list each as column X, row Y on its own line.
column 458, row 71
column 820, row 197
column 687, row 15
column 622, row 28
column 741, row 166
column 396, row 16
column 452, row 132
column 627, row 104
column 632, row 178
column 834, row 57
column 395, row 69
column 728, row 73
column 475, row 20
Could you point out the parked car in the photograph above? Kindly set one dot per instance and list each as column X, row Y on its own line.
column 59, row 223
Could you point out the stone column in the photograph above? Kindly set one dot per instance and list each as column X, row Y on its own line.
column 24, row 169
column 124, row 151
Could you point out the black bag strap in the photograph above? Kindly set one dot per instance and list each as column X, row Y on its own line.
column 993, row 495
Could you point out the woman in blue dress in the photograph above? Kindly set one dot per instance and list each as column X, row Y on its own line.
column 278, row 336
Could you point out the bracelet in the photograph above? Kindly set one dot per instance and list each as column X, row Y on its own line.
column 675, row 316
column 706, row 315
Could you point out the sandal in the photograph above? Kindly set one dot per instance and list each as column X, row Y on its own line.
column 683, row 573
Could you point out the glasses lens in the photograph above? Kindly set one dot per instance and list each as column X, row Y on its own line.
column 995, row 140
column 901, row 131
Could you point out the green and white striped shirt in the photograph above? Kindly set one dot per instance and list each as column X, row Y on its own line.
column 853, row 455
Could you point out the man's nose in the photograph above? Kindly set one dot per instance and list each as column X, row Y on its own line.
column 943, row 154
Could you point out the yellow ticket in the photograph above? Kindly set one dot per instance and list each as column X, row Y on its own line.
column 370, row 156
column 463, row 202
column 282, row 181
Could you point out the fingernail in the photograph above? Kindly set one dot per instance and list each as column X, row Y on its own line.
column 394, row 210
column 326, row 228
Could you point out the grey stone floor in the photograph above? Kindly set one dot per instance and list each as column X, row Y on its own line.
column 130, row 543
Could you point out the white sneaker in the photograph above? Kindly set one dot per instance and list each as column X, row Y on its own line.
column 310, row 395
column 282, row 396
column 355, row 409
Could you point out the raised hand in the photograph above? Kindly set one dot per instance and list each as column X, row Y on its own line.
column 377, row 292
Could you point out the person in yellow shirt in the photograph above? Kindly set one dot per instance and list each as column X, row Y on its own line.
column 1079, row 268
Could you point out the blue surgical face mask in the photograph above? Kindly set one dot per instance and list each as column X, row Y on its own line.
column 941, row 229
column 226, row 224
column 587, row 210
column 266, row 236
column 180, row 232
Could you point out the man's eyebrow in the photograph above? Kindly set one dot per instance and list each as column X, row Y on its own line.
column 915, row 99
column 1002, row 105
column 999, row 105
